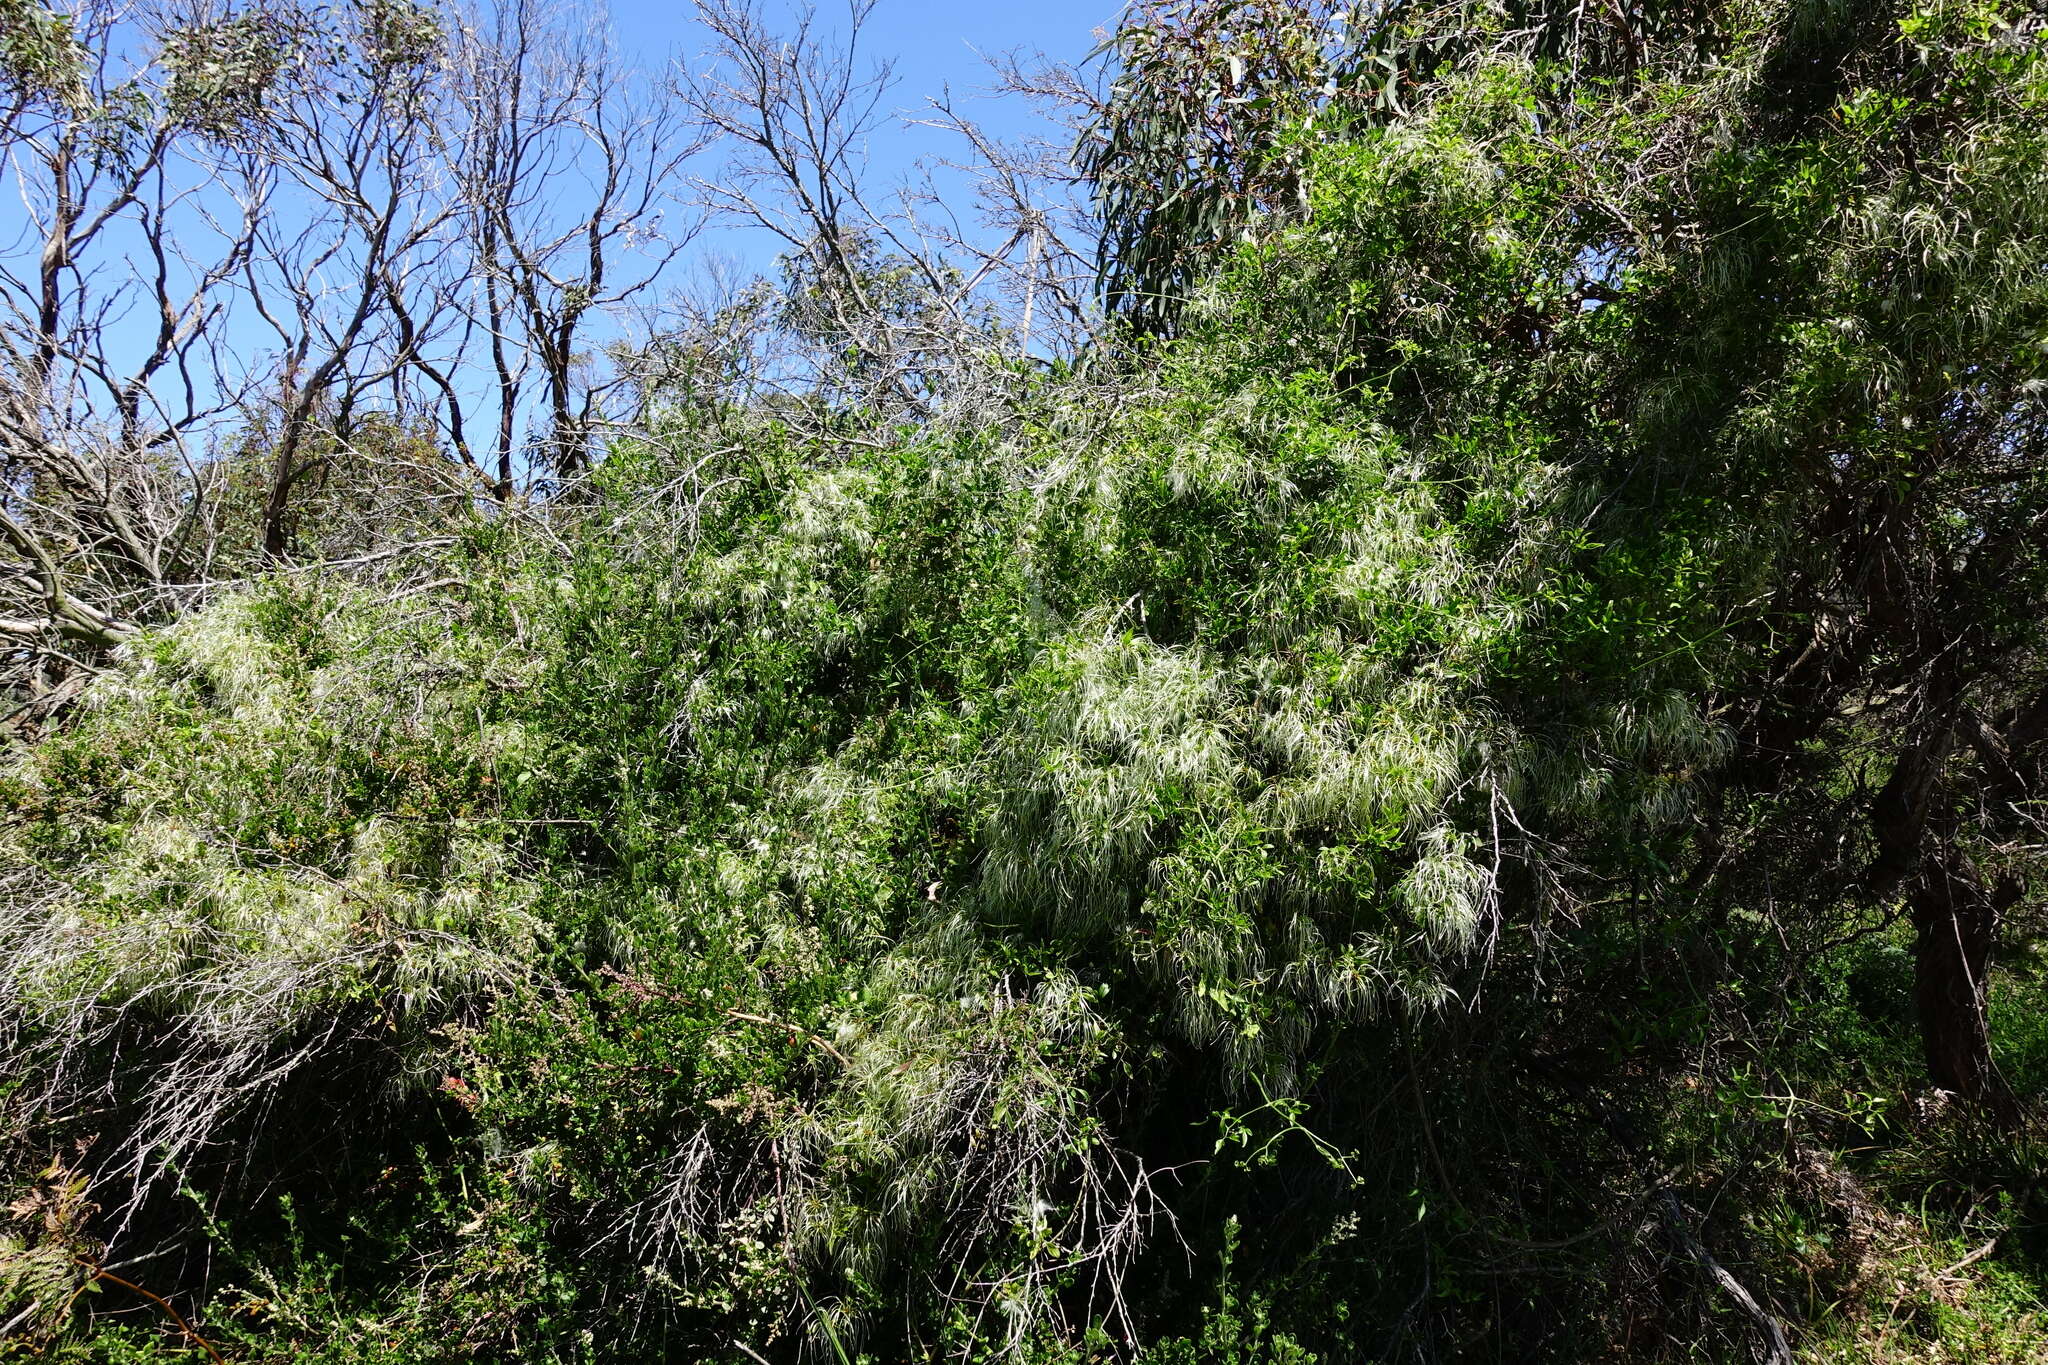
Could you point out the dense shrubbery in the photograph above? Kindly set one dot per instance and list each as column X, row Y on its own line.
column 1374, row 836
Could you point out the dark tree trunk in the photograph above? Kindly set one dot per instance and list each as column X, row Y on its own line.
column 277, row 501
column 1955, row 921
column 1955, row 918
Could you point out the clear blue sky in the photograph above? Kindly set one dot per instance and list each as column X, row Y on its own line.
column 934, row 42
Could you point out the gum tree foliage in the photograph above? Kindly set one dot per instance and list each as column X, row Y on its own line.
column 1198, row 140
column 1438, row 818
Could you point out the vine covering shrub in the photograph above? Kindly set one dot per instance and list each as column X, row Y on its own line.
column 1445, row 814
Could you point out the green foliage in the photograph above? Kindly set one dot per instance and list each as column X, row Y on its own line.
column 1197, row 138
column 1214, row 111
column 40, row 58
column 1233, row 1331
column 224, row 72
column 1338, row 806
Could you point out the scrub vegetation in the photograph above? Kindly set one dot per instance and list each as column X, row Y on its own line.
column 1447, row 763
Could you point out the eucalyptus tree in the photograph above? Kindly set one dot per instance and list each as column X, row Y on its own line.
column 300, row 229
column 110, row 289
column 1197, row 137
column 571, row 162
column 353, row 276
column 892, row 303
column 1200, row 138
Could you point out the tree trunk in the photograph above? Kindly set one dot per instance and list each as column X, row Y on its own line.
column 1955, row 918
column 277, row 500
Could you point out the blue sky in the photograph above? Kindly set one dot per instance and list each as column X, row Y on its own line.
column 935, row 45
column 934, row 42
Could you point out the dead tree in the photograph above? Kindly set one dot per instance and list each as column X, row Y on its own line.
column 567, row 160
column 110, row 296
